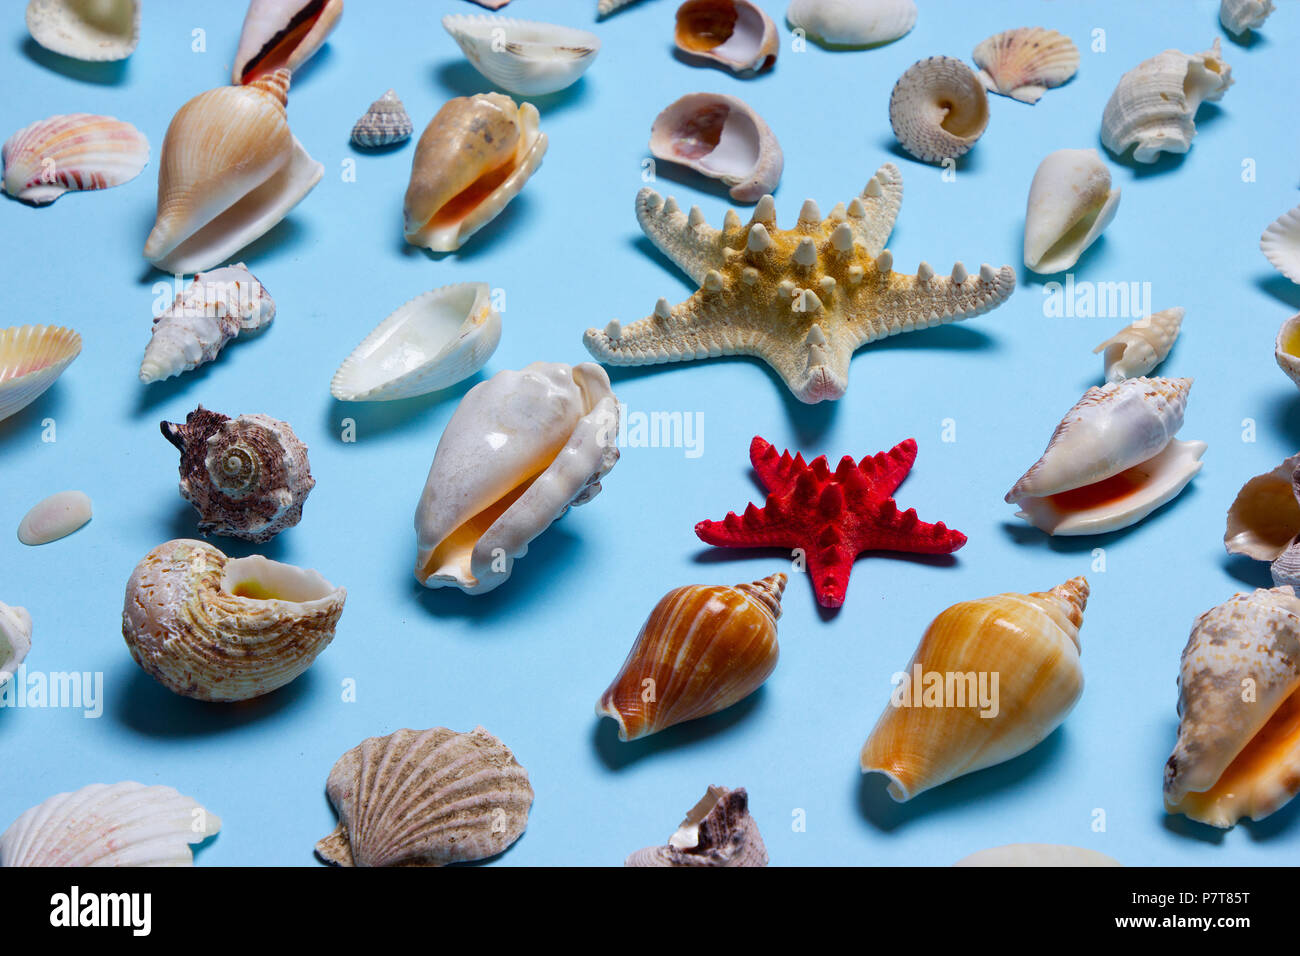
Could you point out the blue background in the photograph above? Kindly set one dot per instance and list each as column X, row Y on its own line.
column 529, row 660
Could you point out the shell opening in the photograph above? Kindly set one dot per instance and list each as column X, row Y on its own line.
column 460, row 206
column 1289, row 340
column 259, row 579
column 275, row 54
column 733, row 31
column 1070, row 245
column 719, row 139
column 1204, row 77
column 452, row 554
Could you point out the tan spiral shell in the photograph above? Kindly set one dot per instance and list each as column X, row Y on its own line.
column 938, row 109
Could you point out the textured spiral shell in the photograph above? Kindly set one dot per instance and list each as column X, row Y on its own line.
column 938, row 109
column 386, row 122
column 717, row 831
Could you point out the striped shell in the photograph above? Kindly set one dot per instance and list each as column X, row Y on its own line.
column 1025, row 63
column 524, row 57
column 938, row 109
column 31, row 358
column 717, row 831
column 15, row 639
column 1280, row 244
column 95, row 31
column 385, row 123
column 72, row 151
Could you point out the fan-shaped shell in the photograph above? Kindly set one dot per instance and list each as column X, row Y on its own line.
column 55, row 517
column 734, row 33
column 1240, row 16
column 282, row 34
column 71, row 151
column 721, row 137
column 1280, row 244
column 15, row 639
column 425, row 798
column 1025, row 63
column 523, row 56
column 717, row 831
column 938, row 109
column 385, row 123
column 1037, row 854
column 1070, row 204
column 31, row 358
column 1138, row 348
column 852, row 22
column 91, row 30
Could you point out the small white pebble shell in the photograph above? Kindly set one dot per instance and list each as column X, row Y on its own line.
column 55, row 517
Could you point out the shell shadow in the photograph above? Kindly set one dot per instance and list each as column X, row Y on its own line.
column 1182, row 826
column 1280, row 288
column 617, row 754
column 1242, row 41
column 647, row 248
column 151, row 396
column 184, row 523
column 968, row 162
column 1285, row 415
column 459, row 78
column 693, row 179
column 109, row 73
column 1162, row 164
column 27, row 423
column 1252, row 573
column 379, row 418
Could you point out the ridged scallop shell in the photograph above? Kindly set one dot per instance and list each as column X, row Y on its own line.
column 385, row 123
column 1264, row 521
column 229, row 171
column 1029, row 643
column 55, row 517
column 519, row 450
column 118, row 824
column 92, row 30
column 1286, row 349
column 938, row 109
column 735, row 33
column 1037, row 854
column 852, row 22
column 426, row 798
column 15, row 639
column 31, row 358
column 216, row 628
column 717, row 831
column 702, row 649
column 1070, row 204
column 721, row 137
column 282, row 34
column 1239, row 16
column 1155, row 102
column 1280, row 244
column 524, row 57
column 472, row 159
column 1138, row 348
column 433, row 341
column 71, row 151
column 1025, row 63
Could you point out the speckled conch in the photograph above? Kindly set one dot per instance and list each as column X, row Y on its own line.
column 1238, row 750
column 1264, row 521
column 425, row 798
column 734, row 33
column 93, row 30
column 282, row 34
column 938, row 109
column 852, row 22
column 223, row 629
column 519, row 450
column 1025, row 63
column 247, row 477
column 1139, row 347
column 1070, row 204
column 717, row 831
column 946, row 716
column 15, row 639
column 1037, row 854
column 1241, row 16
column 523, row 56
column 32, row 357
column 73, row 151
column 721, row 137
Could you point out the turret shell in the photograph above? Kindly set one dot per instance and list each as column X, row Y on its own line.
column 384, row 124
column 1138, row 348
column 717, row 831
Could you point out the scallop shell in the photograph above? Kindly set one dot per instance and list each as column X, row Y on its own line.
column 1138, row 348
column 72, row 151
column 433, row 341
column 735, row 33
column 91, row 30
column 247, row 477
column 221, row 629
column 519, row 450
column 118, row 824
column 1155, row 102
column 721, row 137
column 31, row 358
column 1037, row 854
column 938, row 109
column 1070, row 204
column 1280, row 244
column 426, row 798
column 1025, row 63
column 523, row 56
column 936, row 726
column 229, row 171
column 1286, row 349
column 15, row 640
column 385, row 123
column 1264, row 521
column 472, row 159
column 1239, row 16
column 282, row 34
column 55, row 517
column 717, row 831
column 852, row 22
column 702, row 649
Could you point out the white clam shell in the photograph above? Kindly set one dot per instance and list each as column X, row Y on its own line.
column 1025, row 63
column 1138, row 348
column 1070, row 204
column 282, row 33
column 71, row 151
column 1280, row 244
column 91, row 30
column 519, row 450
column 1264, row 518
column 1037, row 854
column 15, row 639
column 1238, row 16
column 120, row 824
column 852, row 22
column 938, row 109
column 721, row 137
column 435, row 340
column 32, row 357
column 734, row 33
column 523, row 56
column 55, row 517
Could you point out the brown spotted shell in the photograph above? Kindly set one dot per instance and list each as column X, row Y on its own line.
column 717, row 831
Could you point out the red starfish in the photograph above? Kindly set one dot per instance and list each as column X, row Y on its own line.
column 831, row 517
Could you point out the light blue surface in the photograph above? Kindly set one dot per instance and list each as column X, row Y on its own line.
column 529, row 659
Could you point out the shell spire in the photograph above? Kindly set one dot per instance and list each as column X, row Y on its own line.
column 274, row 84
column 767, row 592
column 1073, row 594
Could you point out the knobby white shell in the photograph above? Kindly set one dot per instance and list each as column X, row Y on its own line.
column 1023, row 64
column 1070, row 204
column 1138, row 348
column 119, row 824
column 1286, row 350
column 1280, row 244
column 723, row 138
column 32, row 357
column 385, row 123
column 15, row 639
column 1037, row 854
column 735, row 33
column 852, row 22
column 71, row 151
column 282, row 34
column 1239, row 16
column 938, row 109
column 55, row 517
column 91, row 30
column 523, row 56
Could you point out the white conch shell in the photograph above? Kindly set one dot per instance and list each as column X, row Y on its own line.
column 282, row 34
column 717, row 831
column 55, row 517
column 435, row 340
column 72, row 151
column 523, row 56
column 1286, row 350
column 91, row 30
column 1138, row 348
column 118, row 824
column 213, row 309
column 15, row 639
column 385, row 123
column 721, row 137
column 938, row 109
column 1238, row 16
column 1070, row 203
column 1025, row 63
column 518, row 451
column 229, row 171
column 1264, row 521
column 1280, row 244
column 852, row 22
column 1155, row 102
column 734, row 33
column 32, row 357
column 1037, row 854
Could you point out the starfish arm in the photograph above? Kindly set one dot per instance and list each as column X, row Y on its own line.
column 690, row 242
column 778, row 473
column 885, row 471
column 905, row 303
column 756, row 528
column 880, row 200
column 892, row 530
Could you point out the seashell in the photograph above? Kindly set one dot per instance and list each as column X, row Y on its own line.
column 247, row 477
column 433, row 341
column 1138, row 348
column 938, row 109
column 385, row 123
column 852, row 22
column 605, row 7
column 1280, row 244
column 717, row 831
column 31, row 358
column 1070, row 204
column 491, row 4
column 230, row 170
column 1027, row 643
column 92, row 30
column 221, row 629
column 1238, row 750
column 519, row 450
column 71, row 151
column 55, row 517
column 1155, row 102
column 1264, row 521
column 1037, row 854
column 1112, row 460
column 523, row 56
column 721, row 137
column 472, row 159
column 1025, row 63
column 426, row 798
column 15, row 639
column 118, row 824
column 735, row 33
column 702, row 649
column 1239, row 16
column 1286, row 349
column 214, row 309
column 282, row 34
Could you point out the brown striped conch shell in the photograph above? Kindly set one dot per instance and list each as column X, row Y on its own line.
column 32, row 357
column 1025, row 63
column 95, row 31
column 74, row 151
column 938, row 109
column 735, row 33
column 282, row 34
column 717, row 831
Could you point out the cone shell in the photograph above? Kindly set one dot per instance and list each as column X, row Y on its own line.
column 92, row 30
column 1241, row 16
column 1070, row 204
column 1037, row 854
column 523, row 56
column 1028, row 642
column 15, row 639
column 1280, row 244
column 54, row 517
column 385, row 123
column 721, row 137
column 717, row 831
column 852, row 22
column 734, row 33
column 282, row 34
column 703, row 648
column 71, row 151
column 1025, row 63
column 31, row 358
column 425, row 798
column 938, row 109
column 1138, row 348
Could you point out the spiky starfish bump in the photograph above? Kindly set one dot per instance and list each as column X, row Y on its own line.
column 803, row 300
column 832, row 517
